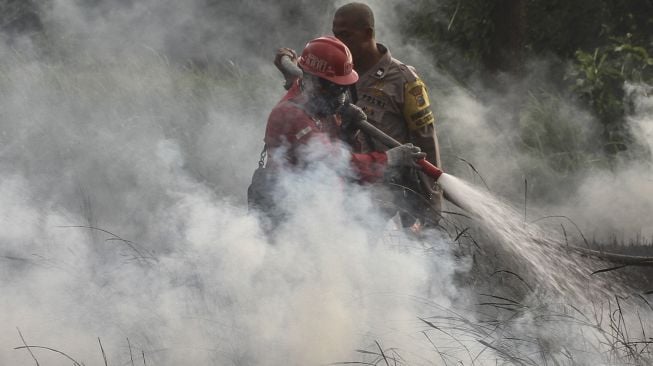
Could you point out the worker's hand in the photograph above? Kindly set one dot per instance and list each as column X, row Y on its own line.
column 404, row 155
column 281, row 52
column 351, row 113
column 292, row 55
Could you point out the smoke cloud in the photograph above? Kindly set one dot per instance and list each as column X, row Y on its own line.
column 124, row 170
column 129, row 133
column 620, row 202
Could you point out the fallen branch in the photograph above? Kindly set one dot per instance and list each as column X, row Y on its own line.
column 625, row 260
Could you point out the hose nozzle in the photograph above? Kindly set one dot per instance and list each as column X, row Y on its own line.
column 430, row 169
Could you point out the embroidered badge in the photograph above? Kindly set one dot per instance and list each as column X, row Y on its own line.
column 418, row 93
column 417, row 111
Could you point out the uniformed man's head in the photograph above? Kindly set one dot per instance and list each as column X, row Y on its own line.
column 353, row 24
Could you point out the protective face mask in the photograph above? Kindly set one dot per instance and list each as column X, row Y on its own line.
column 326, row 105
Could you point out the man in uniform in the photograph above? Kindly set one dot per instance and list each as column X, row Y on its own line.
column 395, row 100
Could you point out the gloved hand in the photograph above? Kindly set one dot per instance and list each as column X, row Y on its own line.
column 404, row 155
column 281, row 53
column 351, row 113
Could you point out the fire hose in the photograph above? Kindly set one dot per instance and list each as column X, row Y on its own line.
column 428, row 168
column 291, row 71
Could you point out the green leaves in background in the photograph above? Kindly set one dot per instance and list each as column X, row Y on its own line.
column 596, row 46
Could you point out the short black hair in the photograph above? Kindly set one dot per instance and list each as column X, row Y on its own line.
column 363, row 15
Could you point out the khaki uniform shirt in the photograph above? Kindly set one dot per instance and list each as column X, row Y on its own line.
column 396, row 101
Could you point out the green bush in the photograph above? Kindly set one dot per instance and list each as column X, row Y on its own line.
column 599, row 81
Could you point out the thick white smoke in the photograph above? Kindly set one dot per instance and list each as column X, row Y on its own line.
column 123, row 182
column 128, row 137
column 621, row 202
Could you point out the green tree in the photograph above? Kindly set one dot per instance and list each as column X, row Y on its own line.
column 606, row 42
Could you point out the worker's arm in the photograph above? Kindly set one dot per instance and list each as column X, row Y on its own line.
column 291, row 78
column 369, row 167
column 373, row 166
column 421, row 131
column 420, row 120
column 370, row 164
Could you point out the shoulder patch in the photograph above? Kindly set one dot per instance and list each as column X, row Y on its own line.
column 417, row 110
column 303, row 132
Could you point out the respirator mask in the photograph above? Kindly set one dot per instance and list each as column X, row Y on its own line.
column 325, row 97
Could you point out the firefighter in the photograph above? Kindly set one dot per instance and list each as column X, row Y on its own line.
column 314, row 111
column 396, row 101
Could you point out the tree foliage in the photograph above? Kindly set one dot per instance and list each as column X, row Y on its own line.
column 599, row 78
column 605, row 43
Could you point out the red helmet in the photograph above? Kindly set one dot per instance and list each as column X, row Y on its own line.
column 330, row 59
